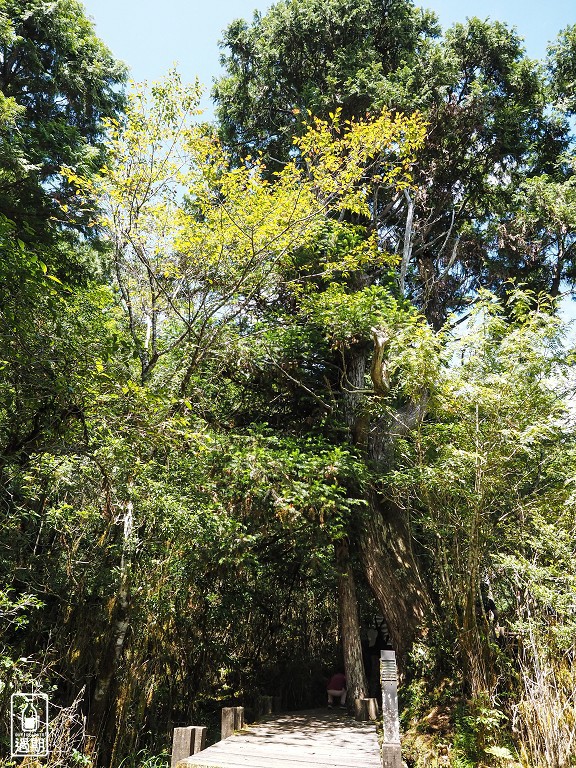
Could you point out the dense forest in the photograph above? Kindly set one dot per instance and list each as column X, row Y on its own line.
column 265, row 378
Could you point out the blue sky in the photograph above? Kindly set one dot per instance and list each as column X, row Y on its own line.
column 151, row 35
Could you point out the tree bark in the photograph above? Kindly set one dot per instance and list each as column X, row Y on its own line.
column 350, row 625
column 393, row 574
column 100, row 722
column 390, row 564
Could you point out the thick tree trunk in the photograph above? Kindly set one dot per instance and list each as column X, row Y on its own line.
column 102, row 720
column 350, row 625
column 393, row 574
column 101, row 723
column 392, row 570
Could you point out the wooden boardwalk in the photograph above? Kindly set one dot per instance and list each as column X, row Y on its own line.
column 317, row 738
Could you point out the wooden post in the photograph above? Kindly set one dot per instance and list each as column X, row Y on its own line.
column 238, row 718
column 365, row 709
column 199, row 738
column 264, row 705
column 186, row 742
column 232, row 720
column 227, row 725
column 391, row 751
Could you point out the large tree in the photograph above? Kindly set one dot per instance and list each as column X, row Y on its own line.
column 312, row 56
column 491, row 127
column 61, row 80
column 58, row 83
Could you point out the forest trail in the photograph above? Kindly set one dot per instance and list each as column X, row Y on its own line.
column 319, row 738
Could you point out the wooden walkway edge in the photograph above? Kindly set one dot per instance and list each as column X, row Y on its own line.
column 318, row 738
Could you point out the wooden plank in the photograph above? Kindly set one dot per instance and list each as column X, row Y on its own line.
column 310, row 749
column 242, row 746
column 272, row 760
column 293, row 750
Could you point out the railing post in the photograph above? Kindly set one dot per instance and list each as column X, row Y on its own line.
column 232, row 720
column 391, row 751
column 238, row 718
column 366, row 709
column 186, row 742
column 264, row 705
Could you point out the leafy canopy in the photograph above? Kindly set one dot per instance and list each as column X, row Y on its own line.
column 58, row 81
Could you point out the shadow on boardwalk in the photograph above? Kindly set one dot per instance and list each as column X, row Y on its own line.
column 320, row 738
